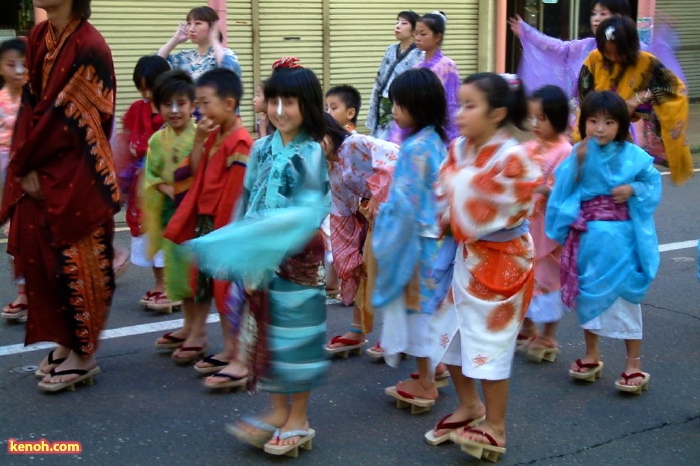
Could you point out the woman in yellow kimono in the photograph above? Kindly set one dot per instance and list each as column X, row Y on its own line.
column 654, row 95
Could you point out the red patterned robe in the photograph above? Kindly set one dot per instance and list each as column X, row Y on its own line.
column 63, row 243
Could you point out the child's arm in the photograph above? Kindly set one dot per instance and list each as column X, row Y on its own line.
column 167, row 189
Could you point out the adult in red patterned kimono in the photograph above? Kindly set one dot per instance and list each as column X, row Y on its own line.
column 61, row 191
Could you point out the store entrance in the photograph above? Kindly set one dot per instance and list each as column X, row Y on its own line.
column 565, row 20
column 16, row 18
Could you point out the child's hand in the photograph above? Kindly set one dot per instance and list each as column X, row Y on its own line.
column 30, row 185
column 372, row 208
column 514, row 24
column 622, row 193
column 214, row 32
column 167, row 189
column 581, row 151
column 204, row 127
column 181, row 34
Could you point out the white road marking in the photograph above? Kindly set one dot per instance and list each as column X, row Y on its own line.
column 177, row 323
column 668, row 173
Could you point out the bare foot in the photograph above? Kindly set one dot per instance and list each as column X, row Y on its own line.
column 358, row 337
column 72, row 362
column 275, row 418
column 542, row 342
column 235, row 368
column 499, row 435
column 587, row 360
column 473, row 412
column 177, row 334
column 60, row 352
column 291, row 424
column 224, row 357
column 632, row 367
column 419, row 389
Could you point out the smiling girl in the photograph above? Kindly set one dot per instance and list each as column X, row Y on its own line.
column 202, row 28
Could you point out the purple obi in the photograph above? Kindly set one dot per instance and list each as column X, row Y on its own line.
column 599, row 208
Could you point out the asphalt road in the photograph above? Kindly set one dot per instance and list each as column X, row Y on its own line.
column 145, row 410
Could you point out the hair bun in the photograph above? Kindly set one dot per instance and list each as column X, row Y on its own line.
column 440, row 14
column 287, row 62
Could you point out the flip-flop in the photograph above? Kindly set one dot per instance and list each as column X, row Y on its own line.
column 198, row 350
column 305, row 442
column 348, row 345
column 161, row 303
column 538, row 352
column 636, row 389
column 595, row 371
column 13, row 312
column 243, row 435
column 488, row 451
column 83, row 375
column 52, row 362
column 216, row 364
column 234, row 381
column 451, row 426
column 173, row 341
column 149, row 297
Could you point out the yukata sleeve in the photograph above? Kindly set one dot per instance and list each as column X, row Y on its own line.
column 384, row 155
column 670, row 105
column 254, row 247
column 586, row 78
column 564, row 202
column 541, row 55
column 663, row 46
column 177, row 60
column 396, row 242
column 371, row 121
column 452, row 83
column 152, row 198
column 346, row 232
column 646, row 198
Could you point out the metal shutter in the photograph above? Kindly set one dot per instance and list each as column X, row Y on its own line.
column 291, row 28
column 685, row 17
column 360, row 32
column 133, row 29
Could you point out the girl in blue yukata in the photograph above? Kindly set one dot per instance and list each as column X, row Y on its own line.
column 274, row 250
column 605, row 195
column 406, row 231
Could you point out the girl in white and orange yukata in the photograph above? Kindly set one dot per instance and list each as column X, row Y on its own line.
column 486, row 192
column 548, row 112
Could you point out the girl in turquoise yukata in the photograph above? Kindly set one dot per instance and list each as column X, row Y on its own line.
column 604, row 196
column 406, row 230
column 275, row 248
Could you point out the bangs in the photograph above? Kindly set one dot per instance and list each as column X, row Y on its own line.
column 203, row 13
column 285, row 83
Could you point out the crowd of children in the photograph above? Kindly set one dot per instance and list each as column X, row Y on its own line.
column 465, row 239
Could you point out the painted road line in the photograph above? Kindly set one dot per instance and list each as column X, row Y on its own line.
column 668, row 173
column 676, row 246
column 119, row 333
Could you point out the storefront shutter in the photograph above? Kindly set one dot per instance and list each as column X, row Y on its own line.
column 137, row 28
column 685, row 17
column 360, row 32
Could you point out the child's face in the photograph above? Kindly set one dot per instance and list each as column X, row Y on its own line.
column 474, row 117
column 215, row 108
column 259, row 100
column 198, row 31
column 611, row 53
column 539, row 122
column 426, row 39
column 285, row 114
column 12, row 68
column 599, row 14
column 177, row 111
column 402, row 118
column 145, row 92
column 602, row 127
column 403, row 29
column 339, row 111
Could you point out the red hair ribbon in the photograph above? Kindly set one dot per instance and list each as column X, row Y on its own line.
column 287, row 62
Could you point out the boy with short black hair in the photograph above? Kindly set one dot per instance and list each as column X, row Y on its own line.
column 217, row 163
column 343, row 103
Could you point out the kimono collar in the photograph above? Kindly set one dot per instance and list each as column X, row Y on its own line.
column 435, row 60
column 607, row 151
column 400, row 54
column 466, row 152
column 293, row 146
column 54, row 46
